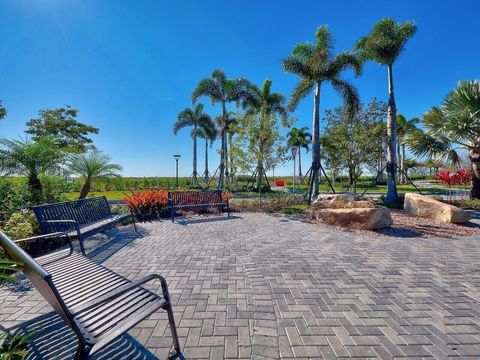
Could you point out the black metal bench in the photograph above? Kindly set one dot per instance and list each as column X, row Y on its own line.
column 191, row 200
column 80, row 218
column 98, row 304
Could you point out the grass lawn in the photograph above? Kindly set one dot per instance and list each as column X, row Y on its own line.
column 111, row 195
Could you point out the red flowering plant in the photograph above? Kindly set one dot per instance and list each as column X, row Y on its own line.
column 147, row 204
column 460, row 177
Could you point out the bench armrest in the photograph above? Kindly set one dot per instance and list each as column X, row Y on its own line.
column 46, row 236
column 121, row 290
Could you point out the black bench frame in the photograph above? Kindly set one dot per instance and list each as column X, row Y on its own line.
column 80, row 218
column 101, row 307
column 190, row 200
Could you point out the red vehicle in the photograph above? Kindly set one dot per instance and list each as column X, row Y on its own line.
column 279, row 183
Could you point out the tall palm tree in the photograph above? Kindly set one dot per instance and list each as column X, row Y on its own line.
column 453, row 126
column 266, row 103
column 30, row 158
column 316, row 65
column 197, row 119
column 404, row 127
column 384, row 45
column 91, row 166
column 222, row 90
column 299, row 138
column 207, row 131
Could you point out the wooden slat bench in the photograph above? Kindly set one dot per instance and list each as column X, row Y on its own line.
column 98, row 304
column 80, row 218
column 191, row 200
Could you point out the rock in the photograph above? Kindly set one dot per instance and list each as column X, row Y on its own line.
column 357, row 218
column 350, row 196
column 424, row 206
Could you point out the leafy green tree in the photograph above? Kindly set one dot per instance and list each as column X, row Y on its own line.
column 30, row 158
column 90, row 166
column 3, row 111
column 271, row 106
column 347, row 141
column 222, row 90
column 384, row 45
column 404, row 127
column 197, row 119
column 452, row 127
column 299, row 138
column 62, row 124
column 208, row 132
column 316, row 65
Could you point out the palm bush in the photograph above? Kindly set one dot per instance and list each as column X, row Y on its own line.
column 91, row 166
column 451, row 128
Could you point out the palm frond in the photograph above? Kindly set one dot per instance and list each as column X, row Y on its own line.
column 344, row 61
column 349, row 94
column 303, row 88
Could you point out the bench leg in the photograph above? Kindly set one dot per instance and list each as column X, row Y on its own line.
column 82, row 247
column 176, row 343
column 172, row 214
column 135, row 225
column 82, row 354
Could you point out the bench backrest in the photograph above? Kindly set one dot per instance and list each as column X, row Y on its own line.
column 37, row 275
column 85, row 211
column 196, row 197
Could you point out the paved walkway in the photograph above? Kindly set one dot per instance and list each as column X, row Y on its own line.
column 259, row 286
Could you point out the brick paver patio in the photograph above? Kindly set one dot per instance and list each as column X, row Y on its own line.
column 259, row 286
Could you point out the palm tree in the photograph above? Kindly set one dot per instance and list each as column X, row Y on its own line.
column 91, row 166
column 207, row 131
column 315, row 64
column 266, row 103
column 197, row 119
column 222, row 90
column 404, row 127
column 299, row 138
column 30, row 158
column 384, row 45
column 453, row 126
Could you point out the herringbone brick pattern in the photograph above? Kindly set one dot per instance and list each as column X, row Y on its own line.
column 259, row 286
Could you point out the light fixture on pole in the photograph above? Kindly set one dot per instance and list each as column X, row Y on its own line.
column 176, row 157
column 294, row 150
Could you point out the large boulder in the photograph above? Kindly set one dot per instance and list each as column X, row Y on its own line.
column 348, row 210
column 424, row 206
column 357, row 218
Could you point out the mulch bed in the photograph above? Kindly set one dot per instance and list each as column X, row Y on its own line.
column 407, row 226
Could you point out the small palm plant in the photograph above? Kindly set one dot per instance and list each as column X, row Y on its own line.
column 198, row 120
column 452, row 127
column 384, row 45
column 222, row 90
column 208, row 132
column 404, row 128
column 91, row 166
column 317, row 65
column 299, row 138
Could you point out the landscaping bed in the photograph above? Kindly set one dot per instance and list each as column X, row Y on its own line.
column 405, row 225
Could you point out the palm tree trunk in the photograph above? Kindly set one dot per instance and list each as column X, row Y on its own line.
column 206, row 161
column 474, row 156
column 85, row 189
column 34, row 183
column 402, row 164
column 195, row 157
column 316, row 141
column 230, row 139
column 392, row 195
column 300, row 163
column 222, row 149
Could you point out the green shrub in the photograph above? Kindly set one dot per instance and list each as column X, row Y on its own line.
column 21, row 225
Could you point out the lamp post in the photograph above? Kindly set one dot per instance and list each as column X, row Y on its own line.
column 176, row 157
column 294, row 150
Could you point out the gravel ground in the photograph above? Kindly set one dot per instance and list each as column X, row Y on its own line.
column 405, row 225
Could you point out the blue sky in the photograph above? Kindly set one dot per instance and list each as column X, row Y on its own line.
column 129, row 67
